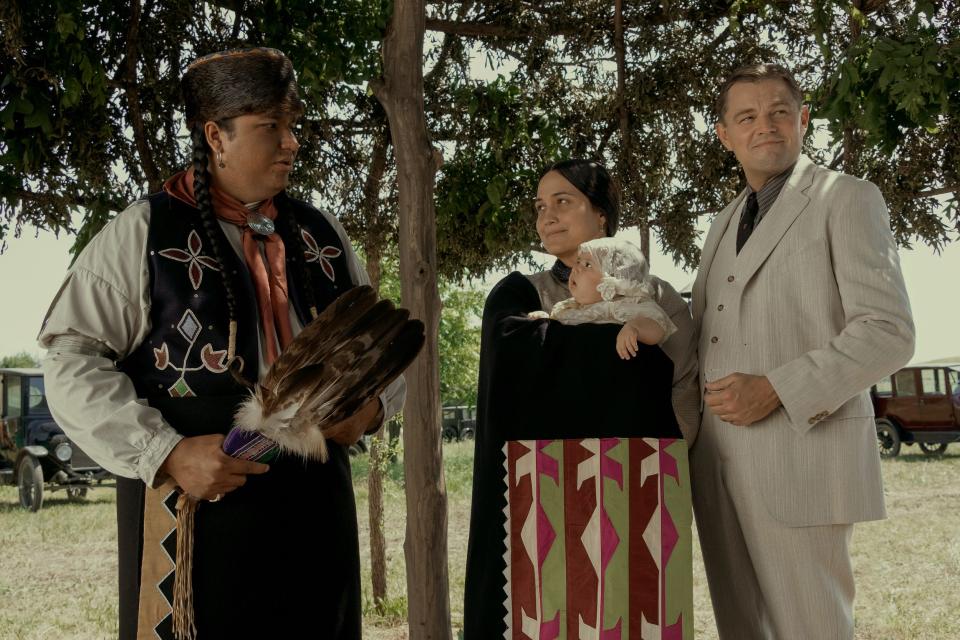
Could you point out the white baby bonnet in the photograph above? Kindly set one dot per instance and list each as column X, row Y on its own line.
column 624, row 267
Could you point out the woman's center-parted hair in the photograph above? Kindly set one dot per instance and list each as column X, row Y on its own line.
column 594, row 181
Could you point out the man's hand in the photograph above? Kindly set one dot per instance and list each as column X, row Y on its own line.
column 348, row 431
column 202, row 470
column 741, row 399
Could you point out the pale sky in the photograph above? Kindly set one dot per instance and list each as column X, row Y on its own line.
column 32, row 268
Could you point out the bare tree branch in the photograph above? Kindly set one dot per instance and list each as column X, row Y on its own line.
column 154, row 179
column 237, row 20
column 932, row 193
column 543, row 24
column 62, row 199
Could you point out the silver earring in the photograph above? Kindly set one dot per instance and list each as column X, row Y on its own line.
column 220, row 160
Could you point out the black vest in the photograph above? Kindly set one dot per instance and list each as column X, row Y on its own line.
column 185, row 353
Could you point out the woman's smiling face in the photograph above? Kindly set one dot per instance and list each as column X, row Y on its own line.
column 565, row 217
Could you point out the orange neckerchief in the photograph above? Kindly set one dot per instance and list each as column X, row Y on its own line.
column 269, row 284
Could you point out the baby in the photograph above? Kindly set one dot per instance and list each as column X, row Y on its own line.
column 610, row 282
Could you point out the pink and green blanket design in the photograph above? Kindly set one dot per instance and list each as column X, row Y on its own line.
column 598, row 539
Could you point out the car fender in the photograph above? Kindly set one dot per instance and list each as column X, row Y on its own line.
column 34, row 450
column 892, row 419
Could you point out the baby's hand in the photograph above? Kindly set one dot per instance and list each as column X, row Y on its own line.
column 627, row 341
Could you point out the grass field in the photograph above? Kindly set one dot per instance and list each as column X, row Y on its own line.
column 57, row 566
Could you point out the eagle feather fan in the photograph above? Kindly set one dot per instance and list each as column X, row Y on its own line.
column 341, row 360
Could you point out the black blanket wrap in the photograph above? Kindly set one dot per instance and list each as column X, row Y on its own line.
column 276, row 558
column 540, row 379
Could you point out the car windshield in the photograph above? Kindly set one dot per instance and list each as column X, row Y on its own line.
column 36, row 397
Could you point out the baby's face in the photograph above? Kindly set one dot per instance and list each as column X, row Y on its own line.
column 584, row 279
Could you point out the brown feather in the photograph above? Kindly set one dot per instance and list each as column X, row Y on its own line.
column 313, row 343
column 340, row 361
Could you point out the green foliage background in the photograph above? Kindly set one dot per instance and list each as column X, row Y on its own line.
column 89, row 107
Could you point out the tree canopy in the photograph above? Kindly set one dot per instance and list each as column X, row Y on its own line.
column 23, row 359
column 90, row 107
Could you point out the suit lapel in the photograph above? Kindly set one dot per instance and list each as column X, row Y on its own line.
column 791, row 203
column 717, row 229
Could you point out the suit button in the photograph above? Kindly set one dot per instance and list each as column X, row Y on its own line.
column 730, row 278
column 714, row 339
column 719, row 307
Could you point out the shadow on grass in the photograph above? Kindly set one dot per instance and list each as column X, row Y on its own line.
column 51, row 502
column 915, row 456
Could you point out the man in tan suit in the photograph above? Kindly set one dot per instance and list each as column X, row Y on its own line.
column 801, row 307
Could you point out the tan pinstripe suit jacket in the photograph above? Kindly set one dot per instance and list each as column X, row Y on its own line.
column 820, row 308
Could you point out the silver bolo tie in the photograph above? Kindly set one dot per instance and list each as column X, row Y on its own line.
column 260, row 223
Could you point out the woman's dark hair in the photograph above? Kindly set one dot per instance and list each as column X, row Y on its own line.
column 593, row 181
column 218, row 88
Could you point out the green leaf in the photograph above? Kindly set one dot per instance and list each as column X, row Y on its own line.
column 494, row 194
column 65, row 25
column 22, row 105
column 38, row 119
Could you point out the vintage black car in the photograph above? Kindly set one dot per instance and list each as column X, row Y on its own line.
column 919, row 404
column 34, row 452
column 459, row 423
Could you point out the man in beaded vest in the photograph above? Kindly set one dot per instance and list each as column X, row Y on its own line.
column 182, row 294
column 801, row 307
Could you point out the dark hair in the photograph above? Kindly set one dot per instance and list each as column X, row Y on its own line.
column 228, row 84
column 757, row 73
column 218, row 88
column 594, row 181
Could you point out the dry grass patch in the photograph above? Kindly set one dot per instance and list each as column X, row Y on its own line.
column 58, row 566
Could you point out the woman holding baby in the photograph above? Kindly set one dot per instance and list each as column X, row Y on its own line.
column 587, row 402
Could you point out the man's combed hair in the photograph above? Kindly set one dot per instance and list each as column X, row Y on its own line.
column 218, row 88
column 233, row 83
column 757, row 73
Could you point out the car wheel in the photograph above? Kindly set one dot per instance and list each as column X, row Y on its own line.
column 30, row 483
column 467, row 434
column 76, row 493
column 449, row 434
column 357, row 448
column 933, row 449
column 888, row 439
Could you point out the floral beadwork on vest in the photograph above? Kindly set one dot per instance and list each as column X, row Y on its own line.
column 184, row 353
column 194, row 258
column 314, row 253
column 210, row 359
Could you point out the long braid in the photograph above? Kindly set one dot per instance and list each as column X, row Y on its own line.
column 217, row 88
column 293, row 229
column 201, row 193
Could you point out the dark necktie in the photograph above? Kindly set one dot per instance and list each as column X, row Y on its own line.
column 747, row 220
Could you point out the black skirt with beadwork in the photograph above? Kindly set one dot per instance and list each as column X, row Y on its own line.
column 276, row 558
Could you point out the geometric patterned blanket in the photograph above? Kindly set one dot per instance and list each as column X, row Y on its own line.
column 598, row 539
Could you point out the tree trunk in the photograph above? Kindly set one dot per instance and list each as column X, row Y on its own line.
column 623, row 115
column 377, row 455
column 373, row 249
column 140, row 138
column 401, row 94
column 850, row 150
